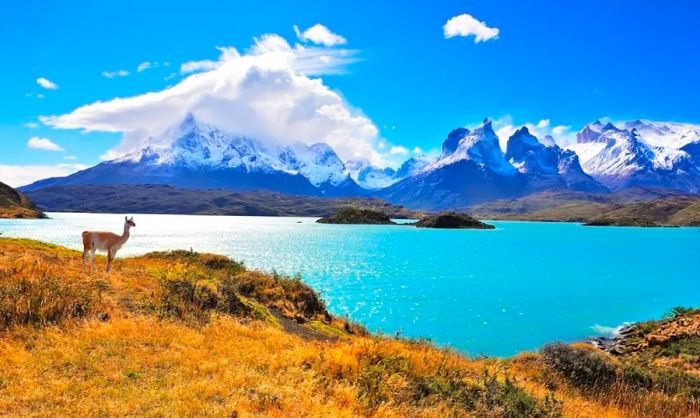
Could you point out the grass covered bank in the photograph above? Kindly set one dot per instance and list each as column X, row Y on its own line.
column 183, row 333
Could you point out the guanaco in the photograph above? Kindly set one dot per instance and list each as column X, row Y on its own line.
column 105, row 241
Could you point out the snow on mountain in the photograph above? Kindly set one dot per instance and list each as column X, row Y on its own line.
column 664, row 134
column 622, row 157
column 375, row 178
column 547, row 166
column 195, row 154
column 472, row 169
column 369, row 176
column 479, row 145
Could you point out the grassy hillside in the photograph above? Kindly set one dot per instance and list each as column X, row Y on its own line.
column 168, row 199
column 182, row 333
column 14, row 204
column 632, row 207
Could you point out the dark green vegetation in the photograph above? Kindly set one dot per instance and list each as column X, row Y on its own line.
column 452, row 220
column 631, row 207
column 14, row 204
column 645, row 360
column 357, row 216
column 172, row 200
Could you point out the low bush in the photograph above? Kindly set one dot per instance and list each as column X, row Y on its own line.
column 31, row 293
column 390, row 378
column 583, row 368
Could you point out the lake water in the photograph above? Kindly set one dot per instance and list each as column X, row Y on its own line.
column 493, row 292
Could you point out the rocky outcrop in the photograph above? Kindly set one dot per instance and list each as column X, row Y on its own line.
column 357, row 216
column 452, row 220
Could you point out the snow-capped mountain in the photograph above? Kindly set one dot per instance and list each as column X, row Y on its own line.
column 664, row 134
column 194, row 154
column 375, row 178
column 622, row 157
column 547, row 167
column 472, row 168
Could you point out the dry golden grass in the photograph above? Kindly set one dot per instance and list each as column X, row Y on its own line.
column 184, row 334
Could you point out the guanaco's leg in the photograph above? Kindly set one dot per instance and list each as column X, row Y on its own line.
column 85, row 255
column 110, row 255
column 92, row 259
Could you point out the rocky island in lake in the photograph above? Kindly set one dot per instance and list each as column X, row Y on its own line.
column 452, row 220
column 357, row 216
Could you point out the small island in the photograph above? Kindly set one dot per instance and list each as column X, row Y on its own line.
column 452, row 220
column 357, row 216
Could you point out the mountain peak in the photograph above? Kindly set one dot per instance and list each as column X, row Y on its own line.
column 449, row 145
column 189, row 122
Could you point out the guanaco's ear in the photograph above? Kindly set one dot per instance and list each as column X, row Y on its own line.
column 126, row 218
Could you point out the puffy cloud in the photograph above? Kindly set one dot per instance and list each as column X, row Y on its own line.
column 46, row 83
column 466, row 25
column 36, row 142
column 398, row 150
column 320, row 35
column 21, row 175
column 266, row 93
column 112, row 74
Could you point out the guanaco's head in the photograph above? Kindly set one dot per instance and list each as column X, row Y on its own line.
column 129, row 221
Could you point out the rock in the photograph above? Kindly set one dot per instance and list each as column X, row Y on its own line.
column 452, row 220
column 357, row 216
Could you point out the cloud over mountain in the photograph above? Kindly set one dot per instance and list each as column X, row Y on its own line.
column 268, row 92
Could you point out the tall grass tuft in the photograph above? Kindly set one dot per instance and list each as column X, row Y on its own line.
column 32, row 293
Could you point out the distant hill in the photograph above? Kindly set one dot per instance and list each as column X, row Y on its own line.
column 635, row 206
column 14, row 204
column 172, row 200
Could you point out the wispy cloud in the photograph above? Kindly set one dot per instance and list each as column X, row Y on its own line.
column 320, row 35
column 21, row 175
column 36, row 142
column 113, row 74
column 46, row 83
column 144, row 66
column 33, row 94
column 31, row 125
column 466, row 25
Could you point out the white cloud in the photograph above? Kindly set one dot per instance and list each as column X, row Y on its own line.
column 144, row 66
column 418, row 151
column 70, row 157
column 46, row 83
column 398, row 150
column 266, row 93
column 112, row 74
column 320, row 35
column 37, row 95
column 31, row 125
column 21, row 175
column 466, row 25
column 36, row 142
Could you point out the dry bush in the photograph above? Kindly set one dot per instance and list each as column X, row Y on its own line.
column 32, row 292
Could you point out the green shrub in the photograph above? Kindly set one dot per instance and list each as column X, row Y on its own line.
column 585, row 369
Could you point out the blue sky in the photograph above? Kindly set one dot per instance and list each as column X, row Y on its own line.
column 569, row 62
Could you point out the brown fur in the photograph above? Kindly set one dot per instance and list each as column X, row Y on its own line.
column 105, row 241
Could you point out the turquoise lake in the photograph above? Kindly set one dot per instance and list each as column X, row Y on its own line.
column 493, row 292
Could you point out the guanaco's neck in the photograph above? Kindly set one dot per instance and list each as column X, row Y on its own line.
column 125, row 235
